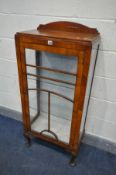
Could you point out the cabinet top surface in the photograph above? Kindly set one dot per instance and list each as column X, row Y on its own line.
column 64, row 30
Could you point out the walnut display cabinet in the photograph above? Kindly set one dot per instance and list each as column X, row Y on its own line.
column 56, row 64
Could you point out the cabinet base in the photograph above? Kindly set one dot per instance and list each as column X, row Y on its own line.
column 72, row 162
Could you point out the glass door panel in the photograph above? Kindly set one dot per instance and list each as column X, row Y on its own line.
column 51, row 83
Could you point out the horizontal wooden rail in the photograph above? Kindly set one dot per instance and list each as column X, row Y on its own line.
column 52, row 92
column 52, row 70
column 51, row 79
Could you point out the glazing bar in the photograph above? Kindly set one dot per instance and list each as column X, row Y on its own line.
column 52, row 70
column 48, row 111
column 52, row 92
column 51, row 79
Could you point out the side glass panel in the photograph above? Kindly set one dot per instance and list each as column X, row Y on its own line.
column 51, row 83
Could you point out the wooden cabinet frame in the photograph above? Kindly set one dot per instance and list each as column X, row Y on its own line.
column 65, row 38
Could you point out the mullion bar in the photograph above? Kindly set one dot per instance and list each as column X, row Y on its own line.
column 49, row 111
column 52, row 70
column 51, row 79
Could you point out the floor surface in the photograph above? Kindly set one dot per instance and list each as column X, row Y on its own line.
column 45, row 159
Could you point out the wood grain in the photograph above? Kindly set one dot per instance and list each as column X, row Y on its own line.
column 67, row 38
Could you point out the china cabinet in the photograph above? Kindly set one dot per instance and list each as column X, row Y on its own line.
column 56, row 64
